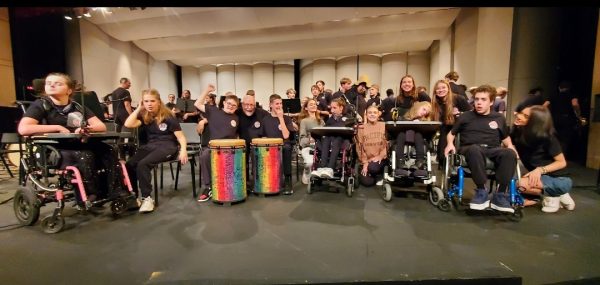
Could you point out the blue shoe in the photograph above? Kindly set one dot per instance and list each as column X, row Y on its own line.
column 481, row 200
column 501, row 202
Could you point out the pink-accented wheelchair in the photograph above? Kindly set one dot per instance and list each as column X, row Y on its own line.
column 45, row 182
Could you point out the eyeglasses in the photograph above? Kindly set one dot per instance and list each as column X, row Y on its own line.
column 231, row 104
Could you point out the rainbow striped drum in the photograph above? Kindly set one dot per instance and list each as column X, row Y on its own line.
column 228, row 170
column 266, row 166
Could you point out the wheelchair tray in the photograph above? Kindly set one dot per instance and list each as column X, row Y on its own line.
column 318, row 132
column 61, row 136
column 427, row 128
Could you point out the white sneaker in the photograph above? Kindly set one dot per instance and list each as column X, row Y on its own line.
column 147, row 205
column 379, row 183
column 305, row 176
column 550, row 204
column 567, row 202
column 317, row 172
column 327, row 173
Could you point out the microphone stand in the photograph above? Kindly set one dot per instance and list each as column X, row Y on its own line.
column 83, row 129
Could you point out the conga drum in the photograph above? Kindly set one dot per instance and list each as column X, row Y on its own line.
column 228, row 170
column 266, row 166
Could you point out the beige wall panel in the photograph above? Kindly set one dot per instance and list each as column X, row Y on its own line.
column 370, row 65
column 306, row 79
column 418, row 67
column 324, row 69
column 345, row 67
column 465, row 45
column 393, row 67
column 243, row 79
column 593, row 153
column 283, row 78
column 263, row 82
column 190, row 80
column 225, row 78
column 162, row 77
column 494, row 37
column 7, row 75
column 207, row 75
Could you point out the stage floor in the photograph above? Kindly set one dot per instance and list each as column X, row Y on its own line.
column 319, row 238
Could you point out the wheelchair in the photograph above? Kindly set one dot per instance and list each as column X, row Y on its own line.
column 428, row 129
column 452, row 186
column 44, row 183
column 346, row 166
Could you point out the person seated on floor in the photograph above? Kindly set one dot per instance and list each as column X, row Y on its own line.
column 420, row 111
column 371, row 147
column 540, row 152
column 481, row 133
column 277, row 125
column 222, row 124
column 163, row 133
column 55, row 112
column 309, row 118
column 331, row 146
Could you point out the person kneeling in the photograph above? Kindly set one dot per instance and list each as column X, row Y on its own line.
column 371, row 146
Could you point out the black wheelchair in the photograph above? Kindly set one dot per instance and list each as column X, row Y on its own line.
column 44, row 182
column 428, row 129
column 346, row 166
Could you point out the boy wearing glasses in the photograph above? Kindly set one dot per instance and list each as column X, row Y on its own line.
column 222, row 124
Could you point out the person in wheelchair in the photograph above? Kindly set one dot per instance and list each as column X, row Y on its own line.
column 163, row 133
column 55, row 112
column 332, row 145
column 309, row 118
column 540, row 152
column 420, row 111
column 371, row 147
column 481, row 133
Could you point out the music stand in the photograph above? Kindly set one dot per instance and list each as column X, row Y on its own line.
column 90, row 100
column 291, row 106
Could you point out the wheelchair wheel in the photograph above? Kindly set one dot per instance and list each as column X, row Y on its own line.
column 52, row 225
column 517, row 215
column 350, row 188
column 118, row 206
column 26, row 206
column 444, row 205
column 435, row 194
column 386, row 192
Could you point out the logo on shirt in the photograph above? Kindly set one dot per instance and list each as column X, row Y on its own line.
column 344, row 119
column 257, row 124
column 493, row 125
column 162, row 127
column 233, row 123
column 279, row 127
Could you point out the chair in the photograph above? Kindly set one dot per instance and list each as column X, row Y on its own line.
column 193, row 149
column 7, row 140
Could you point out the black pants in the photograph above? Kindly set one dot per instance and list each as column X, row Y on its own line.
column 442, row 143
column 374, row 170
column 205, row 167
column 330, row 143
column 98, row 165
column 505, row 161
column 417, row 140
column 140, row 165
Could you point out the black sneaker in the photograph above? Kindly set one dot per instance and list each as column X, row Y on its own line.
column 401, row 172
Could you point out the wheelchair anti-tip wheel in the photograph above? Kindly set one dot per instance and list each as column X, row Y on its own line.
column 52, row 225
column 444, row 205
column 26, row 206
column 435, row 194
column 386, row 192
column 350, row 188
column 309, row 186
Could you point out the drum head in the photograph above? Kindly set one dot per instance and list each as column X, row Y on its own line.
column 267, row 141
column 227, row 142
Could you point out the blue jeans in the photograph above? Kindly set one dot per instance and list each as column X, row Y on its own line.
column 556, row 186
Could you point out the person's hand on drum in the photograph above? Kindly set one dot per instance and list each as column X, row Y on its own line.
column 183, row 157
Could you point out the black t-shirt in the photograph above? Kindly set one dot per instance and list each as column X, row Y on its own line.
column 120, row 113
column 459, row 89
column 161, row 133
column 340, row 121
column 401, row 103
column 474, row 128
column 68, row 116
column 561, row 108
column 220, row 124
column 362, row 104
column 270, row 126
column 250, row 126
column 170, row 105
column 539, row 154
